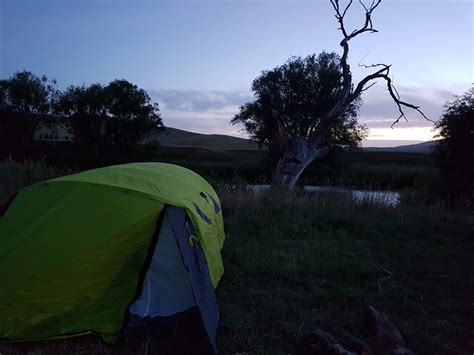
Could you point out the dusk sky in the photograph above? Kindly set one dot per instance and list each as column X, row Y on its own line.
column 197, row 58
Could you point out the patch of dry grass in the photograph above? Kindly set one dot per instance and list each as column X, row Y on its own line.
column 15, row 175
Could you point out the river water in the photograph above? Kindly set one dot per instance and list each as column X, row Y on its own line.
column 387, row 198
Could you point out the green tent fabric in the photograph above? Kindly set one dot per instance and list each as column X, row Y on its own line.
column 72, row 248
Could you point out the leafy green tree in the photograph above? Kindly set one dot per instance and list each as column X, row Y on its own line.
column 336, row 102
column 27, row 93
column 119, row 113
column 456, row 149
column 300, row 93
column 131, row 114
column 85, row 109
column 293, row 99
column 26, row 101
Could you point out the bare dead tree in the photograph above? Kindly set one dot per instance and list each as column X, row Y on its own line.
column 299, row 152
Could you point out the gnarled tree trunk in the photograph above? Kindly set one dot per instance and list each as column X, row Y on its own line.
column 298, row 153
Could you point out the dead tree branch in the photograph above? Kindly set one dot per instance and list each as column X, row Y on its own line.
column 348, row 94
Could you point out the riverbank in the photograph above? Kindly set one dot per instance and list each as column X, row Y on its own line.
column 386, row 198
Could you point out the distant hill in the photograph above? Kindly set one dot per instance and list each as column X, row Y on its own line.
column 174, row 137
column 424, row 147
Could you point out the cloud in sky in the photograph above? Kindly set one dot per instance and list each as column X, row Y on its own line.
column 202, row 111
column 210, row 111
column 200, row 101
column 215, row 122
column 380, row 111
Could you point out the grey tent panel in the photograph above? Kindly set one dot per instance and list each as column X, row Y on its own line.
column 198, row 273
column 166, row 289
column 178, row 278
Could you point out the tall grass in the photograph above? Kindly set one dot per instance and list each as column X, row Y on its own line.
column 15, row 175
column 295, row 262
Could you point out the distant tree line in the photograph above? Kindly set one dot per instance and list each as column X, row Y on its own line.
column 117, row 114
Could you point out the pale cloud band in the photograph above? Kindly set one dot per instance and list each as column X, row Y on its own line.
column 200, row 101
column 211, row 111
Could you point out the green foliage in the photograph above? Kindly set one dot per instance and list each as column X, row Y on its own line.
column 84, row 106
column 26, row 100
column 119, row 113
column 132, row 115
column 456, row 149
column 299, row 94
column 27, row 93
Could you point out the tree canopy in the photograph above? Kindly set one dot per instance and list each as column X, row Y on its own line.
column 118, row 113
column 298, row 95
column 103, row 120
column 456, row 127
column 26, row 100
column 456, row 148
column 134, row 115
column 27, row 93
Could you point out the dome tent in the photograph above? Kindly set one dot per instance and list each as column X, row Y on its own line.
column 80, row 251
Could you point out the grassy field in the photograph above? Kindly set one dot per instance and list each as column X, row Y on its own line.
column 359, row 169
column 300, row 262
column 376, row 170
column 295, row 262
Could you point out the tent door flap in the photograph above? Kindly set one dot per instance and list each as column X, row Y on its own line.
column 195, row 263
